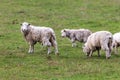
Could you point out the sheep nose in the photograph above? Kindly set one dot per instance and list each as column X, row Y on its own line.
column 23, row 30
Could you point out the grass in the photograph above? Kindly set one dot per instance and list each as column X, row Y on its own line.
column 72, row 64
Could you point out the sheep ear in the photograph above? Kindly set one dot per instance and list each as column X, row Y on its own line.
column 64, row 30
column 28, row 24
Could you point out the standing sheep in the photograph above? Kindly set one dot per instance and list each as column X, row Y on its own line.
column 116, row 42
column 80, row 35
column 44, row 35
column 99, row 40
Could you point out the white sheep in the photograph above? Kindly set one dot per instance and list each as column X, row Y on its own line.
column 116, row 42
column 99, row 40
column 44, row 35
column 74, row 35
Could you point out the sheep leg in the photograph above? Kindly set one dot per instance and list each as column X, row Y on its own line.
column 110, row 50
column 73, row 43
column 107, row 51
column 98, row 53
column 54, row 44
column 91, row 52
column 110, row 46
column 56, row 48
column 49, row 50
column 47, row 43
column 85, row 39
column 107, row 54
column 105, row 47
column 116, row 50
column 31, row 48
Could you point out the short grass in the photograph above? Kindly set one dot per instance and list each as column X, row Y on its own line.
column 72, row 64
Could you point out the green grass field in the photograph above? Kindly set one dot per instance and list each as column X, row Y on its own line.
column 72, row 64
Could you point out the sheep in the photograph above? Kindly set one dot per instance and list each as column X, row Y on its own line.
column 43, row 35
column 116, row 42
column 99, row 40
column 74, row 35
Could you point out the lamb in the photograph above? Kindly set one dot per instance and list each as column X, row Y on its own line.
column 99, row 40
column 74, row 35
column 116, row 42
column 43, row 35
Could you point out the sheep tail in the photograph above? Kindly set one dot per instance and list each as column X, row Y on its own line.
column 53, row 36
column 53, row 40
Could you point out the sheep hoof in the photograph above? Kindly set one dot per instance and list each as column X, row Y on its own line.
column 30, row 52
column 49, row 57
column 57, row 54
column 107, row 57
column 89, row 56
column 98, row 55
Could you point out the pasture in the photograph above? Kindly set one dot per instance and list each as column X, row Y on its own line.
column 71, row 64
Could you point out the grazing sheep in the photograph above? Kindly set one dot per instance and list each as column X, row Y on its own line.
column 80, row 35
column 44, row 35
column 99, row 40
column 116, row 42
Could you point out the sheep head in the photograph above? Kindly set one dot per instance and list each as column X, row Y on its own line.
column 25, row 28
column 64, row 33
column 86, row 50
